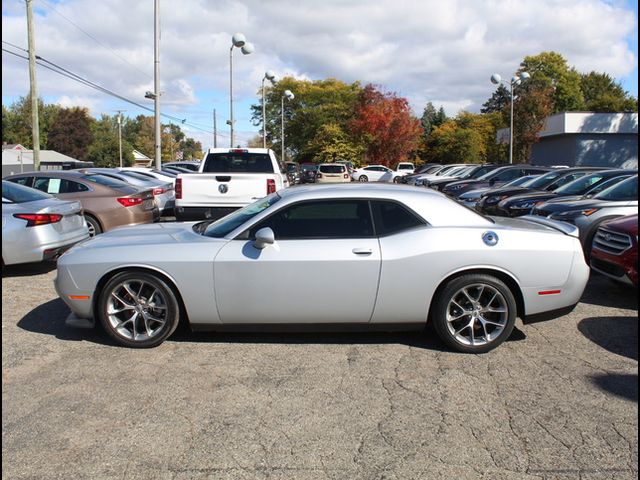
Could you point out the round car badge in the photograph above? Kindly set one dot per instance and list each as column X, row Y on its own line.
column 490, row 238
column 223, row 188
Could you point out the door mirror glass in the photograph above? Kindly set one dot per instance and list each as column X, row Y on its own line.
column 264, row 237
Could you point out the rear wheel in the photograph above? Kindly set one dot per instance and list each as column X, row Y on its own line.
column 474, row 313
column 138, row 309
column 396, row 179
column 93, row 225
column 363, row 178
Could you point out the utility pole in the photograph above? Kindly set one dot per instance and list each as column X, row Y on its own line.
column 120, row 134
column 33, row 91
column 215, row 129
column 156, row 83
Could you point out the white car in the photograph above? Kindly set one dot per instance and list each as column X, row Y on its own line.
column 405, row 168
column 332, row 173
column 376, row 173
column 408, row 255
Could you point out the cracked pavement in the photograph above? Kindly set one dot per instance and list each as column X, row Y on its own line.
column 559, row 400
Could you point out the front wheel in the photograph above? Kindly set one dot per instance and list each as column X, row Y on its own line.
column 138, row 309
column 474, row 313
column 397, row 179
column 363, row 178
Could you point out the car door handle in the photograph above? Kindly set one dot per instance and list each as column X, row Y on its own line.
column 362, row 251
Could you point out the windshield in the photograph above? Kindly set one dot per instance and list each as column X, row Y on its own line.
column 20, row 194
column 309, row 168
column 625, row 190
column 606, row 184
column 544, row 180
column 228, row 224
column 579, row 185
column 477, row 172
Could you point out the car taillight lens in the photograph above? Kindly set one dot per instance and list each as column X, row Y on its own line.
column 178, row 189
column 158, row 191
column 318, row 175
column 130, row 201
column 34, row 219
column 345, row 175
column 271, row 186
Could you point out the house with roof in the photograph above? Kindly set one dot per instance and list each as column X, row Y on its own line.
column 21, row 160
column 141, row 160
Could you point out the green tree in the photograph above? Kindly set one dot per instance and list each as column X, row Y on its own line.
column 552, row 71
column 16, row 122
column 192, row 149
column 105, row 149
column 603, row 94
column 316, row 103
column 500, row 99
column 532, row 106
column 332, row 143
column 70, row 132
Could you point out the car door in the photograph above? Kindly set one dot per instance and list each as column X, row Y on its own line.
column 326, row 247
column 386, row 174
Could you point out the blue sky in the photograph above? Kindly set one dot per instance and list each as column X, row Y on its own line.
column 424, row 50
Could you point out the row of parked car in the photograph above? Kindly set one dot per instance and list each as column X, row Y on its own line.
column 68, row 206
column 344, row 172
column 602, row 202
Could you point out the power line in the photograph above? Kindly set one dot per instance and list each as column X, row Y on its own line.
column 73, row 76
column 95, row 39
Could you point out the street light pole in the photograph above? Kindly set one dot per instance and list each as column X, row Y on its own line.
column 238, row 40
column 33, row 91
column 515, row 80
column 269, row 75
column 289, row 96
column 156, row 85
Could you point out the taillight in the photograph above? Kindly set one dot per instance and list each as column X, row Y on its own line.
column 178, row 189
column 318, row 175
column 271, row 186
column 130, row 201
column 158, row 191
column 345, row 175
column 34, row 219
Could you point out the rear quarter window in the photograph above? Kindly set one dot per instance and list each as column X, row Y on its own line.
column 391, row 217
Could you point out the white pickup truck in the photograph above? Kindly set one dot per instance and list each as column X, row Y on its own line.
column 228, row 179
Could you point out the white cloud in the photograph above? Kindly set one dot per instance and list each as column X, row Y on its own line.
column 425, row 50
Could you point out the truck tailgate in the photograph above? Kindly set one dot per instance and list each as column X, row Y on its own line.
column 233, row 189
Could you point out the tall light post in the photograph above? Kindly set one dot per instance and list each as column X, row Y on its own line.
column 246, row 48
column 268, row 75
column 289, row 96
column 119, row 119
column 517, row 79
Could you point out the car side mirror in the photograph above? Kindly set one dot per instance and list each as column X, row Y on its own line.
column 264, row 237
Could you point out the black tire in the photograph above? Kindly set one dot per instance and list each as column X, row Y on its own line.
column 363, row 178
column 397, row 179
column 493, row 302
column 94, row 225
column 153, row 305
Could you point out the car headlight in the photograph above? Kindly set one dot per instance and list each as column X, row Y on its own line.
column 490, row 200
column 457, row 187
column 573, row 214
column 521, row 205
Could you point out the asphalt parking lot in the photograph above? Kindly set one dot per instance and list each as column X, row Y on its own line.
column 559, row 400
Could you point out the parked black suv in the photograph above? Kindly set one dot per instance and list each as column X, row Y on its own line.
column 493, row 178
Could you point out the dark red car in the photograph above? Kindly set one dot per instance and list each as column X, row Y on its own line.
column 615, row 249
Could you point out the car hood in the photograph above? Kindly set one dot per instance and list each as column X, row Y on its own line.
column 147, row 235
column 628, row 225
column 532, row 195
column 563, row 204
column 509, row 191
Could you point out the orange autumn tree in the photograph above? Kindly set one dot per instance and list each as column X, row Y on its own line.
column 387, row 126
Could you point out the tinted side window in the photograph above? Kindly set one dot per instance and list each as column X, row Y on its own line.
column 41, row 183
column 69, row 186
column 22, row 181
column 391, row 217
column 320, row 219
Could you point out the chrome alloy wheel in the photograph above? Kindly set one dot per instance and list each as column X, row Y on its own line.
column 477, row 314
column 136, row 310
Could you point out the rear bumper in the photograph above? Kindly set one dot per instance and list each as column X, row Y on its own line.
column 184, row 214
column 32, row 252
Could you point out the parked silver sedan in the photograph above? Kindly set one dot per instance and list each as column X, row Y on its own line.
column 407, row 255
column 37, row 226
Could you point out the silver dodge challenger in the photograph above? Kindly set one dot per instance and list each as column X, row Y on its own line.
column 377, row 255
